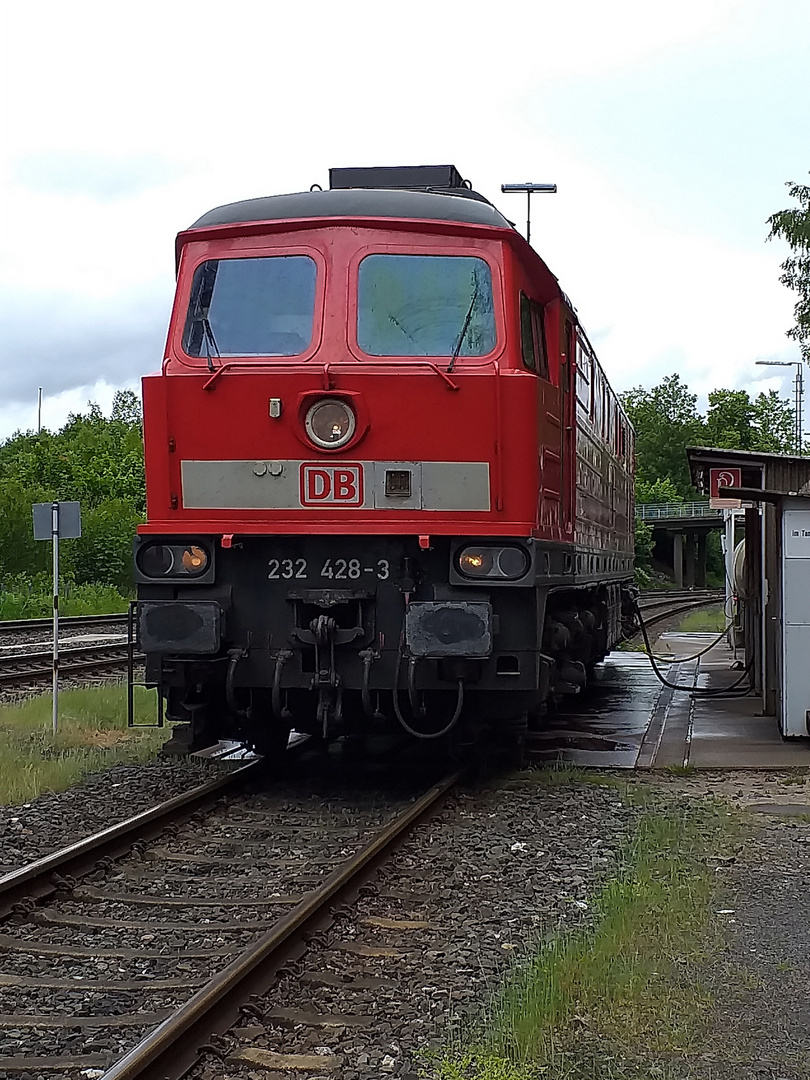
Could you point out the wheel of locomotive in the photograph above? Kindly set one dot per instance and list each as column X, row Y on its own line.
column 512, row 741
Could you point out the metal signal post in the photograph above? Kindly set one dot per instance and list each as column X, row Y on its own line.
column 52, row 521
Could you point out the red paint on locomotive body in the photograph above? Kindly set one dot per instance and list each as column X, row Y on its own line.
column 490, row 410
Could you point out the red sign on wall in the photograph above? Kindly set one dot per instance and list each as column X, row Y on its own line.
column 723, row 478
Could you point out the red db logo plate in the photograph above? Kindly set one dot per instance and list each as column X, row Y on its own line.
column 332, row 485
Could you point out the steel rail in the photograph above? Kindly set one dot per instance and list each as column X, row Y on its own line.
column 66, row 621
column 714, row 597
column 13, row 668
column 656, row 599
column 173, row 1048
column 37, row 881
column 677, row 609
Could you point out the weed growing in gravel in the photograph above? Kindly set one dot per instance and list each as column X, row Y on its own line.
column 93, row 735
column 617, row 999
column 564, row 774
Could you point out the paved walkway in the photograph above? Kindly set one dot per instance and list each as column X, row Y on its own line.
column 629, row 720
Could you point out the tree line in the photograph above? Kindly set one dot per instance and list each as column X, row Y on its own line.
column 667, row 420
column 93, row 459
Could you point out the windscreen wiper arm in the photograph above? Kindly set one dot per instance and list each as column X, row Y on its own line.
column 464, row 330
column 210, row 340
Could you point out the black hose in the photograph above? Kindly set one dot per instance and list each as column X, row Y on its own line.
column 698, row 691
column 234, row 656
column 426, row 734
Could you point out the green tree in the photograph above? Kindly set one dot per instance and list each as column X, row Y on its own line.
column 793, row 225
column 657, row 491
column 93, row 459
column 666, row 421
column 774, row 422
column 729, row 420
column 103, row 553
column 736, row 422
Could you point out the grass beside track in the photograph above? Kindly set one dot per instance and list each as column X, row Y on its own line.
column 93, row 735
column 710, row 620
column 24, row 603
column 620, row 998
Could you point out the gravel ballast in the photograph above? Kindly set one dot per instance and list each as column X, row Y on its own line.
column 53, row 820
column 432, row 936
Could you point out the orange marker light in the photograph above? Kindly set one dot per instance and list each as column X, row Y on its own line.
column 194, row 559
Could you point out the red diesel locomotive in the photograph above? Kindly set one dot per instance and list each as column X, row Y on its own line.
column 387, row 479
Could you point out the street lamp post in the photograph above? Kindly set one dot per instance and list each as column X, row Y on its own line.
column 798, row 396
column 529, row 188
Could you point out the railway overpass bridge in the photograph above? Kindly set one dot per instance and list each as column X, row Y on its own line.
column 688, row 524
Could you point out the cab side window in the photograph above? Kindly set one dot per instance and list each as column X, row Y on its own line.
column 532, row 337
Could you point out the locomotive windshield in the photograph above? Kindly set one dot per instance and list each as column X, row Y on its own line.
column 425, row 305
column 251, row 307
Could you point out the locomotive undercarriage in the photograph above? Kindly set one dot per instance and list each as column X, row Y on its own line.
column 339, row 637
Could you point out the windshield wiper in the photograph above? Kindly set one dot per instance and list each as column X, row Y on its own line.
column 464, row 330
column 210, row 340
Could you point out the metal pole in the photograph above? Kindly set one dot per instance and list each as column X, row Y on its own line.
column 529, row 188
column 55, row 539
column 799, row 406
column 39, row 411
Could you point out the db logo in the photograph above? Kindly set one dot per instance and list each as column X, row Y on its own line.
column 336, row 485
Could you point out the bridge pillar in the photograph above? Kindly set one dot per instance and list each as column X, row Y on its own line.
column 677, row 558
column 690, row 560
column 701, row 560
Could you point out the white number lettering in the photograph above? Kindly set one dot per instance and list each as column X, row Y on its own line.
column 326, row 570
column 383, row 569
column 354, row 569
column 287, row 568
column 340, row 569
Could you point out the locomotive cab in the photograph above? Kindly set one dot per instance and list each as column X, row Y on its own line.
column 364, row 503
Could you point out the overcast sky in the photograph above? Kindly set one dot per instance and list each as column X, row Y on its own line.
column 670, row 130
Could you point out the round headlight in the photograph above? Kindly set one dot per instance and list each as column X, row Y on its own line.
column 330, row 423
column 194, row 559
column 475, row 562
column 512, row 562
column 507, row 563
column 156, row 560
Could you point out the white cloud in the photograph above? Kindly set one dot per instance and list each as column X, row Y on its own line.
column 122, row 125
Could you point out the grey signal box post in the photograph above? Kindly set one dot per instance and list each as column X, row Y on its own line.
column 56, row 521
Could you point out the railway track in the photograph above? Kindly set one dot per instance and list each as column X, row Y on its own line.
column 35, row 669
column 659, row 606
column 159, row 930
column 66, row 622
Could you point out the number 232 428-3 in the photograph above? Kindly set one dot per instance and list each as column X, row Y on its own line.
column 332, row 570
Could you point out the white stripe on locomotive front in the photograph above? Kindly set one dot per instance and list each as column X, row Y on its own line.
column 277, row 485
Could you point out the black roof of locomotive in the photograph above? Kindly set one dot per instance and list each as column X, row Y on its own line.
column 454, row 204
